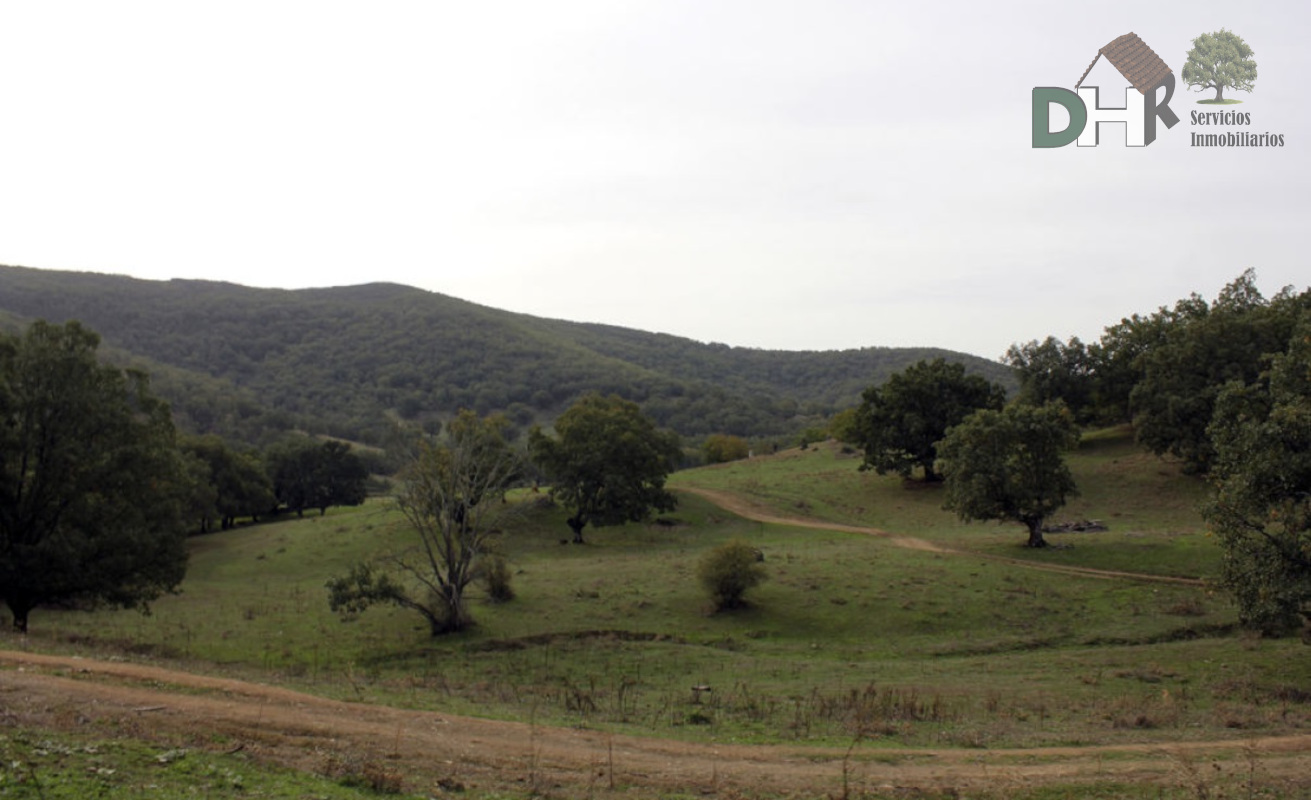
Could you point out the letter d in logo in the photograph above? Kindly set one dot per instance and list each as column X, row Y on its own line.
column 1043, row 97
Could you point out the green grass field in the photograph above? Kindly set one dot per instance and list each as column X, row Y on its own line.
column 45, row 765
column 850, row 635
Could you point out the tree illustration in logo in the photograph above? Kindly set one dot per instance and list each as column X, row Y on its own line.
column 1218, row 61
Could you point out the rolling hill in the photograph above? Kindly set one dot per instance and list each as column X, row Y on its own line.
column 349, row 361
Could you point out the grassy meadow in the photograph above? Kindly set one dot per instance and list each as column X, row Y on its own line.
column 849, row 637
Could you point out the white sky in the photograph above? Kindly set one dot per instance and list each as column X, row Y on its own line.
column 792, row 175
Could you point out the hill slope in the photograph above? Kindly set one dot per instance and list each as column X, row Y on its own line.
column 343, row 361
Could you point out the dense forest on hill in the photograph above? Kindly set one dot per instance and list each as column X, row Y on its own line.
column 247, row 363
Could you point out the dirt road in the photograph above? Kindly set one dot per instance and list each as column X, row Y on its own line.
column 743, row 507
column 432, row 750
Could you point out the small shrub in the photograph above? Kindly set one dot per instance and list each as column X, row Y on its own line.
column 496, row 577
column 729, row 571
column 720, row 448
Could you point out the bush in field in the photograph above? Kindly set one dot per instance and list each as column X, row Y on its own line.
column 729, row 571
column 496, row 577
column 721, row 447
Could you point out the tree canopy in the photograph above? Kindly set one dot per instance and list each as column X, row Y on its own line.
column 307, row 473
column 253, row 364
column 607, row 463
column 238, row 483
column 1261, row 510
column 1220, row 60
column 1054, row 370
column 1009, row 465
column 1198, row 348
column 900, row 423
column 92, row 486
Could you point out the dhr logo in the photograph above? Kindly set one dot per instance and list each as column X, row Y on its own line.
column 1145, row 72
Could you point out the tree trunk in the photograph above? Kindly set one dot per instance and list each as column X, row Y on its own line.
column 576, row 524
column 449, row 614
column 1219, row 92
column 929, row 475
column 1035, row 533
column 20, row 612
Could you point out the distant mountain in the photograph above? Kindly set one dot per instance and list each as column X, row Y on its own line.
column 350, row 361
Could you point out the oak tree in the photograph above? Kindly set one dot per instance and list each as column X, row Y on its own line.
column 238, row 484
column 1261, row 509
column 92, row 485
column 1009, row 465
column 900, row 423
column 308, row 473
column 607, row 463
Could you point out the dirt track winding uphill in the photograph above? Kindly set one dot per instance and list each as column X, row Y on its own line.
column 307, row 732
column 752, row 511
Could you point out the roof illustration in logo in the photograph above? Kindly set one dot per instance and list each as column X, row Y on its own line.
column 1138, row 63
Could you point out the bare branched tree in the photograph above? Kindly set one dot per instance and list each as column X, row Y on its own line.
column 452, row 495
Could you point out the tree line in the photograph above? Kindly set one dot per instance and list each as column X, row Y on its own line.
column 98, row 492
column 1223, row 387
column 251, row 364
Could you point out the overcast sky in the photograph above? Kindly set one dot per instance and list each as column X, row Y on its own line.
column 791, row 175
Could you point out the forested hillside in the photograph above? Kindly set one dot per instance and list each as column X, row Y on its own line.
column 348, row 361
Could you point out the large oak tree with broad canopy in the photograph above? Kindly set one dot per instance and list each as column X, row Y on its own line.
column 91, row 482
column 900, row 423
column 607, row 462
column 1009, row 465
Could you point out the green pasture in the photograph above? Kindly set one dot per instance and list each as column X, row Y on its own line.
column 849, row 637
column 1149, row 506
column 47, row 765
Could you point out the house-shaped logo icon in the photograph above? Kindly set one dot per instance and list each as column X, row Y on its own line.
column 1145, row 71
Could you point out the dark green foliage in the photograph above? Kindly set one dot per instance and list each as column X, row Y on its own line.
column 729, row 571
column 1117, row 358
column 1009, row 465
column 1051, row 370
column 845, row 426
column 307, row 473
column 719, row 448
column 236, row 480
column 362, row 586
column 250, row 364
column 607, row 463
column 900, row 423
column 1261, row 511
column 92, row 487
column 452, row 495
column 1201, row 348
